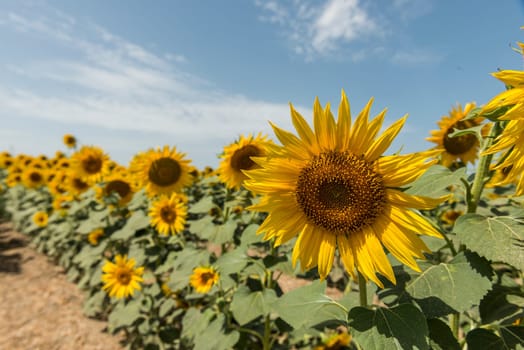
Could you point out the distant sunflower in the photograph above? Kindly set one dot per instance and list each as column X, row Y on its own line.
column 511, row 140
column 6, row 160
column 335, row 341
column 465, row 147
column 164, row 171
column 203, row 278
column 40, row 218
column 333, row 189
column 34, row 177
column 121, row 278
column 237, row 157
column 168, row 214
column 94, row 236
column 90, row 163
column 75, row 185
column 69, row 140
column 120, row 183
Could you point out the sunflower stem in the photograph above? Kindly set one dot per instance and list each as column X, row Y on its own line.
column 482, row 169
column 362, row 290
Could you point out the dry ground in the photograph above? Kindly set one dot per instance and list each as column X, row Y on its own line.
column 39, row 308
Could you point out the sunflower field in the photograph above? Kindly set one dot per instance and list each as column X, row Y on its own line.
column 319, row 240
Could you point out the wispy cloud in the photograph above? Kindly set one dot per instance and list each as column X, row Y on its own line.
column 320, row 29
column 109, row 82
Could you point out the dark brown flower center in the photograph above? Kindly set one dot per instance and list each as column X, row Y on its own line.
column 207, row 276
column 118, row 186
column 35, row 177
column 164, row 172
column 241, row 159
column 168, row 214
column 79, row 184
column 92, row 164
column 340, row 192
column 460, row 144
column 123, row 276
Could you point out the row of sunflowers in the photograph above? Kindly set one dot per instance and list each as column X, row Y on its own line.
column 397, row 251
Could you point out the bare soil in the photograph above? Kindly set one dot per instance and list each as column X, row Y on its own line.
column 39, row 308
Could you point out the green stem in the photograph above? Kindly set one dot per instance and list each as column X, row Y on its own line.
column 266, row 341
column 482, row 169
column 455, row 323
column 362, row 290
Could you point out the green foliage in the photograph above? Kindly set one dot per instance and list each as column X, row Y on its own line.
column 499, row 239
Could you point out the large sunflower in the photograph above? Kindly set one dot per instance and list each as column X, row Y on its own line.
column 121, row 278
column 163, row 171
column 332, row 187
column 168, row 214
column 90, row 163
column 464, row 147
column 237, row 157
column 203, row 278
column 511, row 140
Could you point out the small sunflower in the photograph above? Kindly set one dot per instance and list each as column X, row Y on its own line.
column 69, row 140
column 121, row 278
column 335, row 341
column 34, row 177
column 333, row 188
column 168, row 214
column 40, row 218
column 120, row 183
column 163, row 171
column 94, row 236
column 464, row 147
column 450, row 216
column 90, row 163
column 6, row 160
column 237, row 157
column 511, row 140
column 203, row 278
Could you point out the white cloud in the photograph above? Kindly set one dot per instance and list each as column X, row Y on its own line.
column 108, row 82
column 320, row 29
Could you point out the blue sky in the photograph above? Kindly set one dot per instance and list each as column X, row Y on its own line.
column 131, row 75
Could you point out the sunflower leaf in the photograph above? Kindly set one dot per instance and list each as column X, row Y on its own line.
column 496, row 238
column 441, row 337
column 138, row 221
column 436, row 181
column 401, row 327
column 511, row 337
column 214, row 337
column 450, row 284
column 247, row 305
column 308, row 306
column 202, row 206
column 502, row 304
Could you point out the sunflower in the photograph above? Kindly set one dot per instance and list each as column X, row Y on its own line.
column 40, row 218
column 168, row 214
column 95, row 235
column 333, row 189
column 90, row 163
column 34, row 177
column 163, row 171
column 6, row 160
column 203, row 278
column 69, row 140
column 463, row 147
column 237, row 157
column 74, row 184
column 450, row 216
column 335, row 341
column 121, row 278
column 511, row 140
column 120, row 183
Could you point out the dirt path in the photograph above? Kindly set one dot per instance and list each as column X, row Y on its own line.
column 39, row 308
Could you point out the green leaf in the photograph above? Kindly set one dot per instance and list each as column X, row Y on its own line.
column 124, row 314
column 138, row 221
column 401, row 327
column 247, row 305
column 195, row 322
column 215, row 338
column 202, row 206
column 186, row 261
column 167, row 306
column 249, row 235
column 459, row 284
column 502, row 304
column 436, row 181
column 482, row 339
column 93, row 305
column 95, row 220
column 496, row 238
column 232, row 262
column 309, row 306
column 440, row 336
